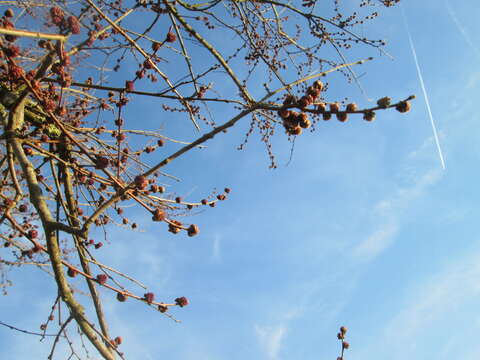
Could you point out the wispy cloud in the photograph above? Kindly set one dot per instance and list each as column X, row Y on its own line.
column 388, row 214
column 377, row 242
column 436, row 300
column 270, row 339
column 216, row 247
column 462, row 29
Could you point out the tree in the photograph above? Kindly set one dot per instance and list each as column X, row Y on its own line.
column 71, row 155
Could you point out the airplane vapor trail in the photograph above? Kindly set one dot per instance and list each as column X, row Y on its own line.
column 462, row 29
column 424, row 90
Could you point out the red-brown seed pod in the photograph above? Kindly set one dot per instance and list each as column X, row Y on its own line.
column 129, row 85
column 284, row 113
column 171, row 37
column 156, row 46
column 227, row 190
column 73, row 25
column 121, row 297
column 160, row 142
column 141, row 182
column 289, row 99
column 327, row 116
column 23, row 208
column 304, row 121
column 351, row 107
column 306, row 124
column 149, row 297
column 321, row 107
column 148, row 64
column 345, row 345
column 16, row 72
column 343, row 330
column 221, row 197
column 342, row 116
column 304, row 102
column 204, row 201
column 318, row 85
column 101, row 163
column 174, row 227
column 369, row 116
column 384, row 102
column 158, row 215
column 71, row 272
column 32, row 234
column 313, row 92
column 56, row 11
column 178, row 199
column 118, row 340
column 193, row 230
column 334, row 107
column 310, row 99
column 162, row 308
column 181, row 301
column 403, row 107
column 9, row 13
column 102, row 279
column 13, row 51
column 297, row 130
column 57, row 15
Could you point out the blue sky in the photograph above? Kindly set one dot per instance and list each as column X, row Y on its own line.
column 363, row 228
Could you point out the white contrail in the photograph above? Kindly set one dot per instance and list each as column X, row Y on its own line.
column 427, row 101
column 462, row 30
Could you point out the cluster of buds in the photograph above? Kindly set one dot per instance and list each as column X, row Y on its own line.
column 220, row 197
column 171, row 37
column 102, row 278
column 101, row 162
column 70, row 24
column 341, row 337
column 91, row 242
column 294, row 122
column 175, row 226
column 149, row 297
column 158, row 215
column 141, row 182
column 7, row 24
column 117, row 341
